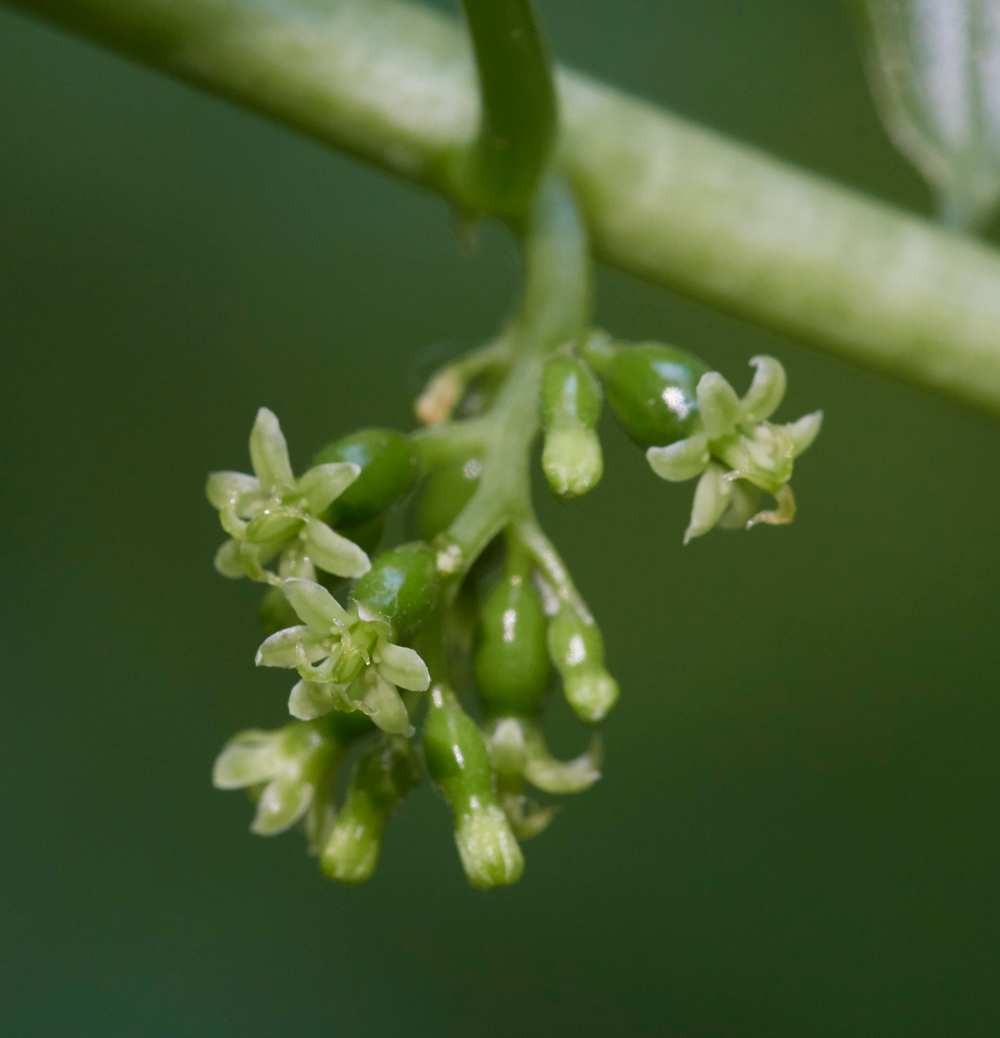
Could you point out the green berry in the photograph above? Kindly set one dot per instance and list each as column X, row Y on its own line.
column 382, row 778
column 388, row 466
column 459, row 763
column 447, row 491
column 652, row 390
column 402, row 586
column 512, row 663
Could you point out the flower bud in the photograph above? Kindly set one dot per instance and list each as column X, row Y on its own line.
column 402, row 586
column 571, row 405
column 382, row 778
column 459, row 763
column 511, row 663
column 652, row 390
column 388, row 466
column 577, row 650
column 447, row 491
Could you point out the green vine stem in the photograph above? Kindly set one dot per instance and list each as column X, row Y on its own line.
column 517, row 126
column 394, row 84
column 555, row 310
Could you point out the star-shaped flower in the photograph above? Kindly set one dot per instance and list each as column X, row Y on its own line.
column 345, row 658
column 738, row 453
column 272, row 513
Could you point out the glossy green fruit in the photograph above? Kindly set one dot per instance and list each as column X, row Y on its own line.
column 402, row 586
column 388, row 466
column 447, row 491
column 512, row 661
column 651, row 389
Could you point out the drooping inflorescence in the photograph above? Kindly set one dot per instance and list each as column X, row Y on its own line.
column 464, row 632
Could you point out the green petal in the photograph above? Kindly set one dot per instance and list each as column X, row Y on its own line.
column 315, row 605
column 742, row 506
column 527, row 819
column 334, row 553
column 225, row 488
column 312, row 699
column 296, row 563
column 780, row 516
column 323, row 484
column 711, row 499
column 682, row 460
column 283, row 802
column 232, row 523
column 250, row 757
column 766, row 391
column 804, row 431
column 269, row 452
column 402, row 667
column 555, row 776
column 227, row 560
column 274, row 524
column 279, row 649
column 718, row 405
column 384, row 705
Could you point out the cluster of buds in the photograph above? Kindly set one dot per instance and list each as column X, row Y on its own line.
column 385, row 642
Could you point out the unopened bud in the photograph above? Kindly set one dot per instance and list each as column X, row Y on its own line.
column 577, row 650
column 459, row 763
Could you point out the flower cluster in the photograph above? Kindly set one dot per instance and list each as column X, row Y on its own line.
column 426, row 625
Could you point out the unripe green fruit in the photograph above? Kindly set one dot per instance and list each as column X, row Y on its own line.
column 388, row 466
column 402, row 586
column 652, row 390
column 447, row 491
column 512, row 662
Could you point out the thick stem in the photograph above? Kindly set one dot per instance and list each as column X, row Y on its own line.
column 518, row 118
column 394, row 84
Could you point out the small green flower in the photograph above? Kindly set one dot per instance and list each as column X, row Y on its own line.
column 346, row 660
column 273, row 513
column 737, row 452
column 291, row 769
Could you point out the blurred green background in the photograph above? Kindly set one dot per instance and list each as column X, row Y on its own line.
column 797, row 832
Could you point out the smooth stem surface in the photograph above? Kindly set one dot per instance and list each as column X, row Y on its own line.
column 518, row 105
column 394, row 84
column 555, row 310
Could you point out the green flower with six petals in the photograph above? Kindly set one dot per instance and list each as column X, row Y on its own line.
column 738, row 453
column 345, row 658
column 272, row 513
